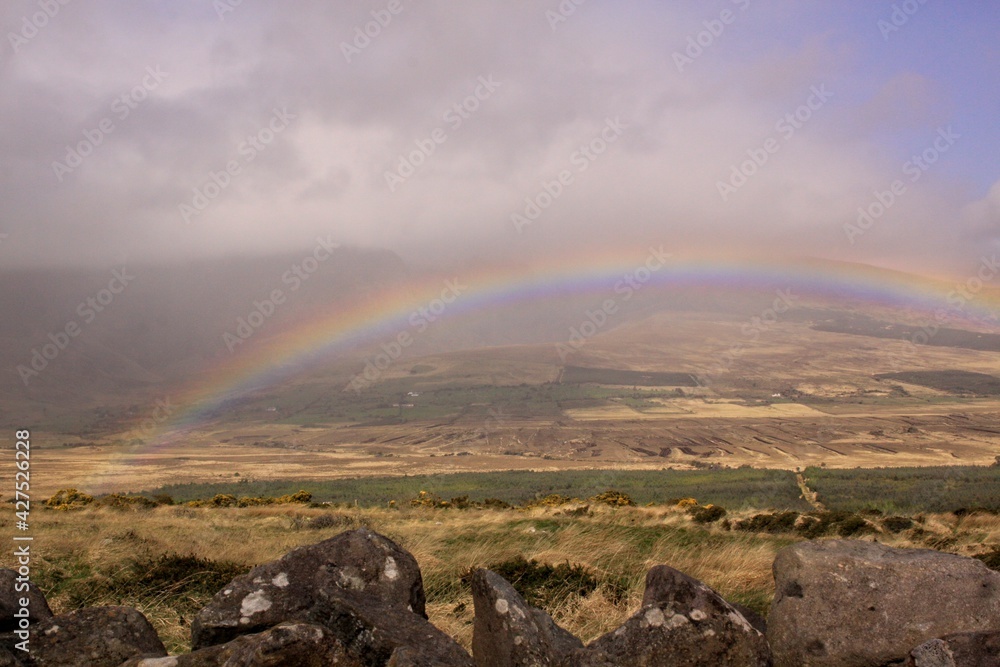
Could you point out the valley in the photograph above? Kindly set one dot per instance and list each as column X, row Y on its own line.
column 652, row 394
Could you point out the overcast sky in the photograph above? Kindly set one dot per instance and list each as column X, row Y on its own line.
column 119, row 121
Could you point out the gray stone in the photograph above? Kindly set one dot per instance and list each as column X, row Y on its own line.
column 756, row 620
column 299, row 644
column 8, row 643
column 374, row 634
column 286, row 644
column 10, row 601
column 851, row 603
column 934, row 653
column 7, row 658
column 682, row 623
column 93, row 637
column 965, row 649
column 357, row 563
column 665, row 584
column 363, row 589
column 510, row 633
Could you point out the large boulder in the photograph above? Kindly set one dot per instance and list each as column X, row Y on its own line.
column 352, row 635
column 357, row 563
column 510, row 633
column 299, row 644
column 362, row 588
column 375, row 634
column 7, row 658
column 966, row 649
column 682, row 623
column 11, row 594
column 373, row 637
column 93, row 637
column 845, row 602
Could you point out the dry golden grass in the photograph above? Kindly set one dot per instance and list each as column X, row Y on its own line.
column 76, row 551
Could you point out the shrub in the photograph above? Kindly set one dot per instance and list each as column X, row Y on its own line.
column 425, row 499
column 542, row 584
column 840, row 522
column 65, row 499
column 551, row 500
column 460, row 503
column 223, row 500
column 297, row 497
column 123, row 502
column 896, row 524
column 613, row 498
column 991, row 558
column 853, row 525
column 962, row 512
column 247, row 501
column 777, row 522
column 707, row 514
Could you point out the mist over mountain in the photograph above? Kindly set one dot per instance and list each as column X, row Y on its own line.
column 127, row 334
column 141, row 325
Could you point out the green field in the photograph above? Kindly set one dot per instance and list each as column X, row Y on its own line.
column 391, row 401
column 892, row 490
column 581, row 375
column 908, row 490
column 739, row 488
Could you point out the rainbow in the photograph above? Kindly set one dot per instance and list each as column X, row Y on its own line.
column 277, row 358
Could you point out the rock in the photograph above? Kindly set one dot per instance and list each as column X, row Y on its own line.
column 10, row 604
column 363, row 589
column 758, row 622
column 7, row 658
column 93, row 637
column 357, row 562
column 965, row 649
column 10, row 601
column 682, row 622
column 665, row 584
column 8, row 641
column 510, row 633
column 289, row 644
column 208, row 657
column 375, row 635
column 299, row 644
column 934, row 653
column 848, row 602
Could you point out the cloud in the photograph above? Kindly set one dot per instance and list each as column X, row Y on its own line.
column 354, row 122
